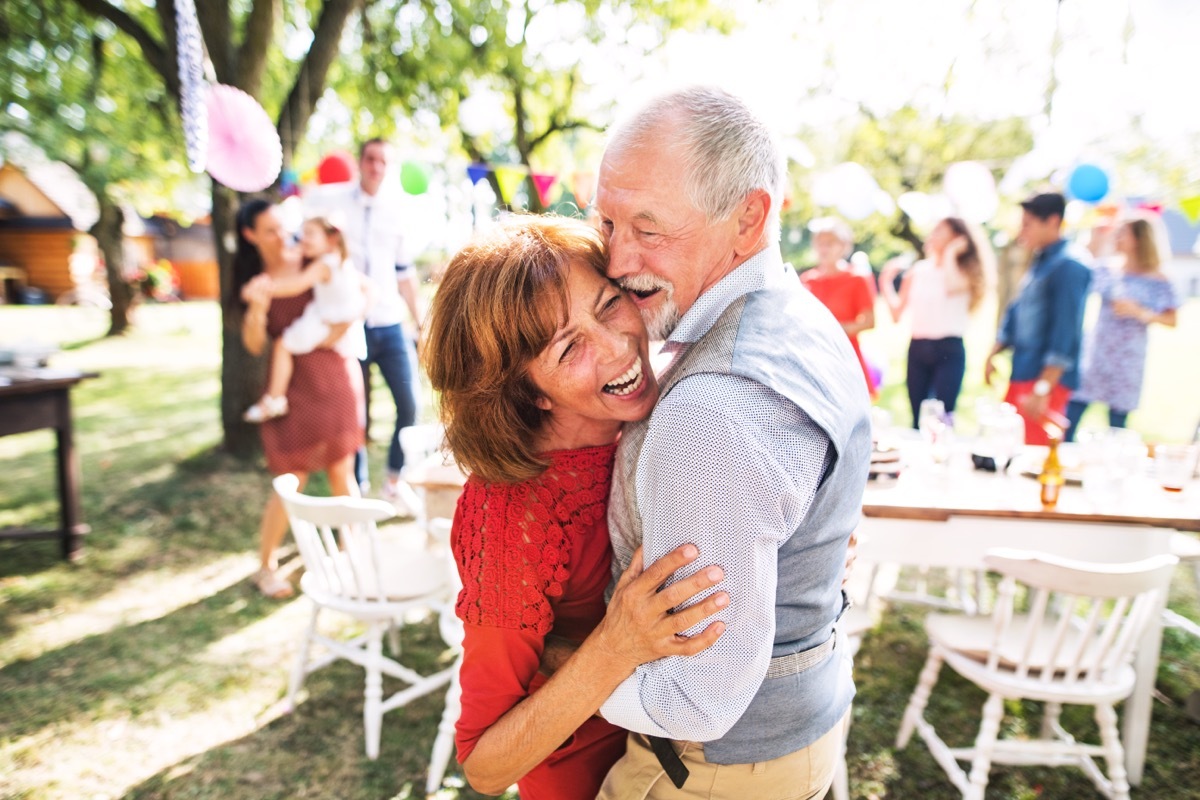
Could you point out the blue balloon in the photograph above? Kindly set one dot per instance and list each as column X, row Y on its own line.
column 1088, row 183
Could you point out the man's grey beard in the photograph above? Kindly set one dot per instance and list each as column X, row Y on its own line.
column 660, row 321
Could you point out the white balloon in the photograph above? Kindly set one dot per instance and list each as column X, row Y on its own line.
column 972, row 190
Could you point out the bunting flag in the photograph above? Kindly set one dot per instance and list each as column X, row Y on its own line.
column 509, row 180
column 1190, row 206
column 477, row 172
column 583, row 186
column 545, row 185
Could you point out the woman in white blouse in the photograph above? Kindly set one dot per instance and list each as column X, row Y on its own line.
column 940, row 290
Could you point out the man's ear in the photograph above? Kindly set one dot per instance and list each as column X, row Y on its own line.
column 752, row 222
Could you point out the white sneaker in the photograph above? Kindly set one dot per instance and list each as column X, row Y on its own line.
column 269, row 407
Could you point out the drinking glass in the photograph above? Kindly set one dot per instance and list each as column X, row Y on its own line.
column 1174, row 465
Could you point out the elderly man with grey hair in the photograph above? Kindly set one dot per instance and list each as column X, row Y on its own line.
column 757, row 452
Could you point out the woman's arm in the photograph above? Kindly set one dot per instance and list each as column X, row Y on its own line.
column 896, row 302
column 1123, row 307
column 639, row 626
column 301, row 282
column 257, row 296
column 956, row 279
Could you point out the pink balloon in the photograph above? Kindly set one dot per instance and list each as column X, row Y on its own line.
column 244, row 152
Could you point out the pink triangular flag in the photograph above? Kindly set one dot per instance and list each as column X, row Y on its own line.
column 543, row 183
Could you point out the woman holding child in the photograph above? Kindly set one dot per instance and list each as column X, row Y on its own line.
column 323, row 425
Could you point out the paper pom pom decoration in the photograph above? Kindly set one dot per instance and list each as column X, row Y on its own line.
column 337, row 167
column 414, row 177
column 192, row 86
column 1088, row 183
column 243, row 147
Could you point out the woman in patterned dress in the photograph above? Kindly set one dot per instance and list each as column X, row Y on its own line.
column 1132, row 297
column 325, row 424
column 538, row 359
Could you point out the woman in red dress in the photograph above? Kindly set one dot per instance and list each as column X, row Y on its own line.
column 325, row 423
column 538, row 359
column 845, row 292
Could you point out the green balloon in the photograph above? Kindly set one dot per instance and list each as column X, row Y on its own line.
column 413, row 177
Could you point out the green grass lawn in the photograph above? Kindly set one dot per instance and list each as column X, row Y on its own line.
column 151, row 668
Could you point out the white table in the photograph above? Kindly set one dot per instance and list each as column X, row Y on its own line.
column 950, row 515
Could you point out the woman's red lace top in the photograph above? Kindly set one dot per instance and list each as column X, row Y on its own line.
column 535, row 559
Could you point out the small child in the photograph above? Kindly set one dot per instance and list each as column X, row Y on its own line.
column 338, row 297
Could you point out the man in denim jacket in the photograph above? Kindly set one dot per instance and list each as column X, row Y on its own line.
column 1044, row 324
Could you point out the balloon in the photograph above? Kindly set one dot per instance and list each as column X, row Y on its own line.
column 244, row 152
column 1088, row 182
column 414, row 177
column 337, row 167
column 850, row 189
column 972, row 190
column 308, row 176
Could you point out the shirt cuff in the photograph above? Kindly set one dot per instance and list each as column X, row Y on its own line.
column 623, row 708
column 1058, row 360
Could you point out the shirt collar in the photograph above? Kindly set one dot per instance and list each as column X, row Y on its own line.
column 1051, row 250
column 753, row 274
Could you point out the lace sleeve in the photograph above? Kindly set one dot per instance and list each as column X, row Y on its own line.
column 511, row 554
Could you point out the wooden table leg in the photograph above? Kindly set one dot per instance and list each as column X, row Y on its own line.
column 68, row 480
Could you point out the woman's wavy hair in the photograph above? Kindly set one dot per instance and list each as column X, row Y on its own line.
column 977, row 262
column 501, row 300
column 1145, row 244
column 247, row 261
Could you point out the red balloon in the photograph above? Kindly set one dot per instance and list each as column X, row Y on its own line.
column 337, row 167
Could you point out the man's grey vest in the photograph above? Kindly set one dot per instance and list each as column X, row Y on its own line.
column 781, row 337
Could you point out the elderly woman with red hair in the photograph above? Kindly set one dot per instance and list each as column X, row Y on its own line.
column 538, row 359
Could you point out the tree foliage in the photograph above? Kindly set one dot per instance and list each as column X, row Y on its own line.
column 73, row 87
column 530, row 60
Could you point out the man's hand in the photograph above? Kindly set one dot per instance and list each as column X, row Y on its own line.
column 989, row 370
column 645, row 621
column 1034, row 406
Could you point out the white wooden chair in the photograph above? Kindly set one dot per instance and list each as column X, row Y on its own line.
column 853, row 626
column 451, row 629
column 430, row 481
column 1075, row 645
column 353, row 568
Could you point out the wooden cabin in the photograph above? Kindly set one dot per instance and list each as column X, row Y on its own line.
column 44, row 218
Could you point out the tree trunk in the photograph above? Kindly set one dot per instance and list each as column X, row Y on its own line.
column 111, row 240
column 243, row 376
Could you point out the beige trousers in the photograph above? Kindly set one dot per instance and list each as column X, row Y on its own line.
column 803, row 775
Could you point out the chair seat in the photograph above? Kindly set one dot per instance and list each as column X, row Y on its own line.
column 967, row 645
column 405, row 572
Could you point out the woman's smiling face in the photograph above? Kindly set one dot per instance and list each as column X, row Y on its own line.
column 595, row 373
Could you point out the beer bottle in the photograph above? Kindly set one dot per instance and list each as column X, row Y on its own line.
column 1051, row 476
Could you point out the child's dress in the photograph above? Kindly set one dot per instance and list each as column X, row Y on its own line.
column 339, row 299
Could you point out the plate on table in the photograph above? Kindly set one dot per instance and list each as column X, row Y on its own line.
column 1031, row 458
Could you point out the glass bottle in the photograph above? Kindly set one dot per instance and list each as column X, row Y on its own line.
column 1051, row 476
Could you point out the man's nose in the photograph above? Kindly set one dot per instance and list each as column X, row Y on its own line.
column 621, row 259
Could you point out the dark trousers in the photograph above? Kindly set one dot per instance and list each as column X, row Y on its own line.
column 935, row 369
column 392, row 351
column 1075, row 409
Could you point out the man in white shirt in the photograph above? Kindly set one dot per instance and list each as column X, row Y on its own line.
column 377, row 248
